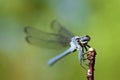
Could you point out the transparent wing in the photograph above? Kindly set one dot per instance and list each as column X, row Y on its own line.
column 58, row 28
column 45, row 39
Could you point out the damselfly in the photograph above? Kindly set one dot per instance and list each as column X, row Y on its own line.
column 60, row 36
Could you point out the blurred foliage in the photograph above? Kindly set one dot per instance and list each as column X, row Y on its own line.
column 21, row 61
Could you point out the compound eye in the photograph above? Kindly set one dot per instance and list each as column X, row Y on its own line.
column 88, row 37
column 78, row 39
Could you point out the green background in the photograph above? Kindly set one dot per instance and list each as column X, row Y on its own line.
column 21, row 61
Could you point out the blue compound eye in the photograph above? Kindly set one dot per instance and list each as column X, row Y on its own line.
column 88, row 37
column 85, row 38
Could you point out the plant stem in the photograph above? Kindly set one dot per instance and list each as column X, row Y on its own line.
column 91, row 53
